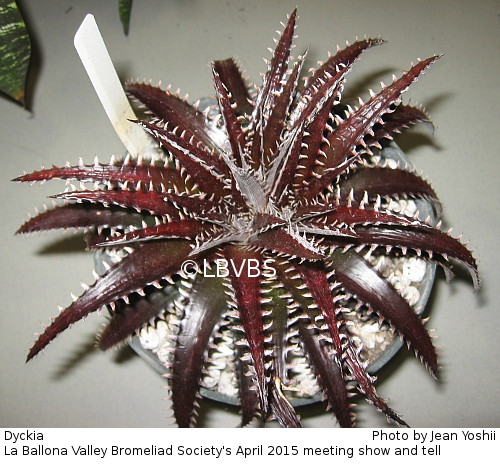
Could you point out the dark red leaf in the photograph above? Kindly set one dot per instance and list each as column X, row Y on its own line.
column 271, row 88
column 182, row 229
column 146, row 265
column 385, row 182
column 277, row 304
column 402, row 117
column 350, row 214
column 303, row 212
column 230, row 76
column 278, row 117
column 281, row 242
column 234, row 130
column 127, row 319
column 198, row 207
column 340, row 150
column 205, row 168
column 146, row 201
column 329, row 374
column 171, row 109
column 246, row 388
column 246, row 285
column 205, row 302
column 282, row 191
column 326, row 364
column 80, row 216
column 315, row 278
column 161, row 177
column 427, row 241
column 318, row 98
column 343, row 58
column 263, row 221
column 299, row 170
column 363, row 281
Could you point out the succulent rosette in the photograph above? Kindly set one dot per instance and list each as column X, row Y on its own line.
column 281, row 183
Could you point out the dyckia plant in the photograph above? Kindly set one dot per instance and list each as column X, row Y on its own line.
column 280, row 182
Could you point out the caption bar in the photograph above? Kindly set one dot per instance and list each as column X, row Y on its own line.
column 234, row 446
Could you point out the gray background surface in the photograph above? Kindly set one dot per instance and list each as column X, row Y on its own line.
column 73, row 385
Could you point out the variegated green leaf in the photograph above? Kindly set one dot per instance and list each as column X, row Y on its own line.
column 125, row 8
column 15, row 51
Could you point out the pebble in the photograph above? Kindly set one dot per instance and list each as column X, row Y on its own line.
column 149, row 338
column 414, row 269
